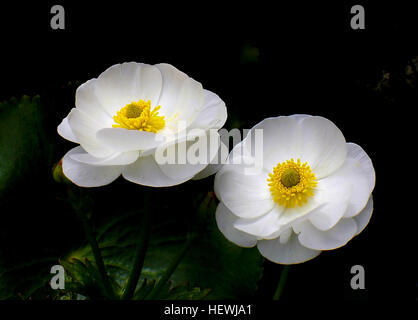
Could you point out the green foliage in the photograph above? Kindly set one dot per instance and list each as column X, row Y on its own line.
column 28, row 281
column 224, row 270
column 212, row 267
column 23, row 146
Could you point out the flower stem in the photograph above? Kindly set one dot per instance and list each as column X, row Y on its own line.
column 282, row 283
column 139, row 258
column 171, row 268
column 96, row 253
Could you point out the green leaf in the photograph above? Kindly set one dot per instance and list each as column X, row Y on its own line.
column 82, row 277
column 28, row 280
column 212, row 268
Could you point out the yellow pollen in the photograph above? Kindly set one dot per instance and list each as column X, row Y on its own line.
column 291, row 183
column 133, row 111
column 290, row 177
column 139, row 116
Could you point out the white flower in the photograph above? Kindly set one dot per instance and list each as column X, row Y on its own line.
column 126, row 114
column 313, row 192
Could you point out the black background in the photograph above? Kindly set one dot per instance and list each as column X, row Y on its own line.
column 310, row 61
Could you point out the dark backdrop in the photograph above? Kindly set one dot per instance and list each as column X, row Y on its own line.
column 309, row 61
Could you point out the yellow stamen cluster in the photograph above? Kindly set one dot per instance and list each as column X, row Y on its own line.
column 139, row 116
column 291, row 183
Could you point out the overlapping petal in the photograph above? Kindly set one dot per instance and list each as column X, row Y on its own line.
column 312, row 139
column 225, row 220
column 88, row 175
column 290, row 252
column 338, row 210
column 132, row 152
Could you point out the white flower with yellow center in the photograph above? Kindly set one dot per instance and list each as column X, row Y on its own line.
column 312, row 194
column 126, row 114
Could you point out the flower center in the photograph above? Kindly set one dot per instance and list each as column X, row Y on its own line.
column 290, row 178
column 139, row 116
column 291, row 183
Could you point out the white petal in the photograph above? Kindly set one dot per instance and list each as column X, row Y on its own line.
column 280, row 140
column 261, row 227
column 145, row 171
column 333, row 238
column 121, row 140
column 149, row 83
column 225, row 221
column 181, row 171
column 247, row 196
column 118, row 158
column 285, row 235
column 363, row 218
column 315, row 140
column 291, row 252
column 66, row 132
column 351, row 175
column 86, row 100
column 86, row 175
column 328, row 215
column 335, row 195
column 293, row 215
column 180, row 94
column 363, row 161
column 85, row 129
column 172, row 81
column 198, row 153
column 213, row 113
column 324, row 146
column 362, row 177
column 124, row 83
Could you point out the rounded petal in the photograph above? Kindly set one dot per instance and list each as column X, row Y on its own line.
column 261, row 227
column 121, row 140
column 213, row 113
column 118, row 158
column 86, row 100
column 350, row 174
column 247, row 196
column 187, row 158
column 291, row 252
column 123, row 83
column 328, row 215
column 324, row 146
column 363, row 161
column 65, row 131
column 85, row 129
column 313, row 139
column 145, row 171
column 363, row 218
column 291, row 216
column 333, row 238
column 362, row 177
column 285, row 235
column 335, row 195
column 280, row 140
column 87, row 175
column 225, row 221
column 180, row 94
